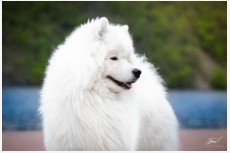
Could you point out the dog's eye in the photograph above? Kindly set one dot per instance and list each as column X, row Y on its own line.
column 114, row 58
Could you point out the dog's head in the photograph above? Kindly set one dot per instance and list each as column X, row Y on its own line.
column 97, row 55
column 119, row 72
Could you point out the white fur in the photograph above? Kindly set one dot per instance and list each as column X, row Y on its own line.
column 84, row 110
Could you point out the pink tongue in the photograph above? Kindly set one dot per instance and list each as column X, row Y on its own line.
column 128, row 85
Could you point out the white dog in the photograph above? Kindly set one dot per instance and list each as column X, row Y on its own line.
column 98, row 94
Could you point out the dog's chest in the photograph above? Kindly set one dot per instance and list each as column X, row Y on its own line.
column 112, row 123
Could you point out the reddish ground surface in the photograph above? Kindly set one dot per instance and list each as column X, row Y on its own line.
column 195, row 140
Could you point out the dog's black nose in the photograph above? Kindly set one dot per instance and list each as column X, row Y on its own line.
column 136, row 73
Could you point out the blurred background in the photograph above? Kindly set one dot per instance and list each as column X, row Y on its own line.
column 186, row 41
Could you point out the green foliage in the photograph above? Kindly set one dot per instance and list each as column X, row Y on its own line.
column 219, row 78
column 168, row 33
column 211, row 28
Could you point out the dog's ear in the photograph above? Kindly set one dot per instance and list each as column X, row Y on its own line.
column 126, row 28
column 103, row 25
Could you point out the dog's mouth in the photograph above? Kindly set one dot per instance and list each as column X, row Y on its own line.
column 125, row 85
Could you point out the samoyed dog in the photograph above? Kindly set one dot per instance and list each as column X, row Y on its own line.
column 98, row 94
